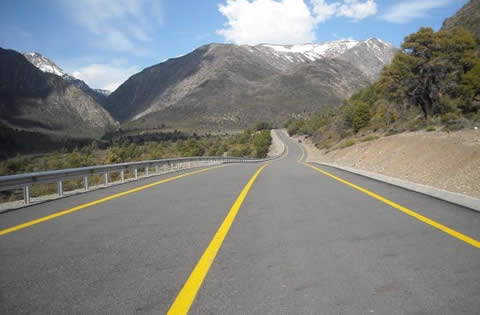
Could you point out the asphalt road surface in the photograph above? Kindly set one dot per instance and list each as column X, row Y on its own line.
column 275, row 238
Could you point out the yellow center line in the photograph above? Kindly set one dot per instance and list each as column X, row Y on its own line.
column 441, row 227
column 96, row 202
column 187, row 294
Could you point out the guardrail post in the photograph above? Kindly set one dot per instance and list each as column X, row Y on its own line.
column 146, row 171
column 105, row 179
column 122, row 176
column 85, row 183
column 165, row 168
column 135, row 173
column 26, row 194
column 60, row 188
column 156, row 169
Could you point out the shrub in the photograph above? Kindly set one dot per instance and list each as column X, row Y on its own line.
column 369, row 138
column 361, row 116
column 346, row 143
column 430, row 129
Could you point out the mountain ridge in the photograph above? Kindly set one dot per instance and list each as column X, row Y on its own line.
column 44, row 64
column 218, row 76
column 468, row 17
column 38, row 101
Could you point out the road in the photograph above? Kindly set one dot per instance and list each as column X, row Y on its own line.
column 275, row 238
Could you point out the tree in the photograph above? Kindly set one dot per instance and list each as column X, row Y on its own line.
column 429, row 67
column 361, row 116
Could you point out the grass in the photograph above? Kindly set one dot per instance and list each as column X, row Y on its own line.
column 369, row 138
column 346, row 143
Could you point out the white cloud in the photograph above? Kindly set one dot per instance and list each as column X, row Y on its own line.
column 323, row 10
column 105, row 76
column 285, row 21
column 357, row 10
column 118, row 40
column 116, row 23
column 267, row 21
column 406, row 11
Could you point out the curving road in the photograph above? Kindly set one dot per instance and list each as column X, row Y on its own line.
column 280, row 238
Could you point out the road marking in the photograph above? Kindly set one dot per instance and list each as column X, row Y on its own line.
column 187, row 294
column 96, row 202
column 403, row 209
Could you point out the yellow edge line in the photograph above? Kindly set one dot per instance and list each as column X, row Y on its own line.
column 405, row 210
column 96, row 202
column 187, row 294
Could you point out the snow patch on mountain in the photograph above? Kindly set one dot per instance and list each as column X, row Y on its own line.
column 316, row 51
column 295, row 54
column 43, row 63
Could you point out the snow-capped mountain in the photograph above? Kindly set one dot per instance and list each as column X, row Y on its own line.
column 374, row 53
column 46, row 65
column 226, row 84
column 41, row 101
column 43, row 63
column 310, row 52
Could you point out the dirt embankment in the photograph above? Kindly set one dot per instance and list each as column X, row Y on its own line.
column 449, row 161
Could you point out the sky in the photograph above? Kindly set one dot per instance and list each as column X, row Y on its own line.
column 104, row 42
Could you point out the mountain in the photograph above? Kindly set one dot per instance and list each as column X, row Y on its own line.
column 33, row 100
column 46, row 65
column 468, row 17
column 228, row 86
column 43, row 63
column 370, row 56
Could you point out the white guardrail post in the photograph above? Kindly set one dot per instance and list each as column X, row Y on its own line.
column 25, row 181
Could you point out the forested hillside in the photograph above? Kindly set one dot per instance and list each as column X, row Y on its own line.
column 433, row 82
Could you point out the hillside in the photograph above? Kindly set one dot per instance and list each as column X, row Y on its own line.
column 37, row 101
column 420, row 121
column 48, row 66
column 432, row 83
column 468, row 17
column 227, row 86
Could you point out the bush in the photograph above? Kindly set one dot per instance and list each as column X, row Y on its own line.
column 361, row 116
column 416, row 124
column 346, row 143
column 430, row 129
column 369, row 138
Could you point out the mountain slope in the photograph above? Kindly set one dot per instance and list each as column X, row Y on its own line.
column 38, row 101
column 224, row 103
column 468, row 17
column 224, row 85
column 46, row 65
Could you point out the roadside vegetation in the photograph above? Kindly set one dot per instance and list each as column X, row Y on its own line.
column 252, row 142
column 433, row 83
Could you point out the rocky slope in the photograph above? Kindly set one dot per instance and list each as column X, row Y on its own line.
column 44, row 102
column 468, row 17
column 227, row 86
column 46, row 65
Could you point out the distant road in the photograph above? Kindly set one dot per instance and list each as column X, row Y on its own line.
column 276, row 238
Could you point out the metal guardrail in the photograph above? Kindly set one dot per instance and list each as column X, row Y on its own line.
column 24, row 181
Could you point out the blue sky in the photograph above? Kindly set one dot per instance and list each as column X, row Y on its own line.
column 105, row 41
